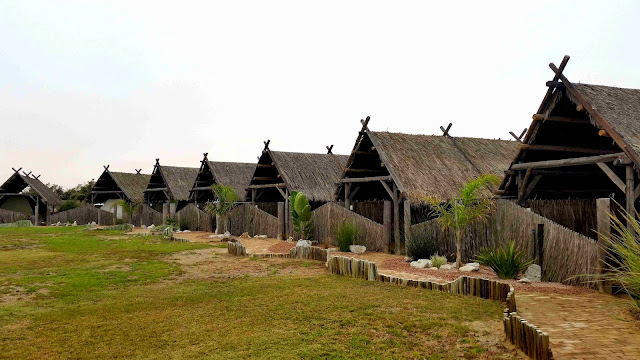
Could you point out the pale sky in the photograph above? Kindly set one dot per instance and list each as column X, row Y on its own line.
column 85, row 84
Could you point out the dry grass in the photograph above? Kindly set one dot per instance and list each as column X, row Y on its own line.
column 195, row 301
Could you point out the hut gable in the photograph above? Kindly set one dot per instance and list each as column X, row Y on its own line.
column 313, row 174
column 580, row 132
column 17, row 183
column 236, row 175
column 113, row 184
column 170, row 183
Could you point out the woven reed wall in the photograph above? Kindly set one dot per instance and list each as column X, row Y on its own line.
column 84, row 215
column 8, row 216
column 566, row 253
column 195, row 218
column 146, row 215
column 579, row 215
column 372, row 210
column 247, row 218
column 328, row 217
column 477, row 237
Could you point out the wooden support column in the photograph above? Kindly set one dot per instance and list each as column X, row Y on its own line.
column 218, row 224
column 253, row 196
column 396, row 219
column 386, row 225
column 347, row 193
column 407, row 225
column 603, row 209
column 287, row 214
column 165, row 211
column 630, row 195
column 37, row 212
column 281, row 221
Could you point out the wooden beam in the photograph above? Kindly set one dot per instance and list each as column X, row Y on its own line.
column 554, row 84
column 522, row 185
column 386, row 187
column 407, row 224
column 354, row 192
column 541, row 117
column 266, row 166
column 362, row 170
column 281, row 193
column 616, row 180
column 366, row 179
column 360, row 152
column 265, row 186
column 631, row 209
column 205, row 188
column 567, row 162
column 347, row 192
column 560, row 148
column 532, row 184
column 107, row 192
column 156, row 189
column 264, row 178
column 603, row 133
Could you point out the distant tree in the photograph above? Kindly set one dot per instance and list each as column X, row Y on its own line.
column 80, row 192
column 68, row 205
column 57, row 189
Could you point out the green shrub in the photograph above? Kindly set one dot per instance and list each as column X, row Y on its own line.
column 422, row 246
column 437, row 261
column 120, row 221
column 347, row 234
column 507, row 263
column 171, row 221
column 68, row 205
column 120, row 227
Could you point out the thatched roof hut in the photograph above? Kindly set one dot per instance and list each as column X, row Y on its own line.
column 129, row 187
column 583, row 142
column 406, row 170
column 170, row 184
column 27, row 194
column 236, row 175
column 278, row 173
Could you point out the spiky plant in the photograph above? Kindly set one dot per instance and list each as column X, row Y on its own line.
column 457, row 214
column 507, row 263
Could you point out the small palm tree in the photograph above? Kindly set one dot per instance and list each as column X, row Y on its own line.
column 225, row 198
column 457, row 214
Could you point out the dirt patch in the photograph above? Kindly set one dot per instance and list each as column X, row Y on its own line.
column 197, row 237
column 282, row 247
column 259, row 245
column 214, row 263
column 14, row 294
column 118, row 267
column 490, row 335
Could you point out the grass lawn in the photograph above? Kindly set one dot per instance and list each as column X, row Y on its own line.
column 72, row 293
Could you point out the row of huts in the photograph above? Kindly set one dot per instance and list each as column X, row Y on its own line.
column 583, row 143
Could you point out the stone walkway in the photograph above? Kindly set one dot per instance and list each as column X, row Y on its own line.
column 585, row 326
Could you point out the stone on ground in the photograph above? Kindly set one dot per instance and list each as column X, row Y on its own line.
column 524, row 280
column 470, row 267
column 357, row 249
column 447, row 267
column 533, row 273
column 421, row 263
column 245, row 235
column 303, row 243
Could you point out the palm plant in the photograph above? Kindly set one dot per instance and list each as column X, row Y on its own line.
column 226, row 197
column 457, row 214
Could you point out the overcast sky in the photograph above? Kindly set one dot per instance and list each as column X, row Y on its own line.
column 84, row 84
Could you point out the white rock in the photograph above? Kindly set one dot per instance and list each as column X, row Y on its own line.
column 290, row 239
column 524, row 280
column 408, row 259
column 144, row 226
column 213, row 236
column 357, row 249
column 303, row 243
column 58, row 223
column 260, row 237
column 533, row 273
column 447, row 267
column 334, row 249
column 421, row 263
column 93, row 223
column 151, row 226
column 227, row 234
column 468, row 268
column 186, row 231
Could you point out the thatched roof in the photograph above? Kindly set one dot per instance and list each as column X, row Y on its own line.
column 179, row 180
column 432, row 166
column 313, row 174
column 620, row 108
column 18, row 182
column 236, row 175
column 133, row 185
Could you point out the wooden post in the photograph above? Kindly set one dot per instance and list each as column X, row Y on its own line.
column 218, row 224
column 37, row 212
column 629, row 190
column 540, row 245
column 165, row 210
column 281, row 221
column 603, row 209
column 407, row 225
column 286, row 214
column 386, row 223
column 99, row 211
column 253, row 197
column 347, row 192
column 396, row 219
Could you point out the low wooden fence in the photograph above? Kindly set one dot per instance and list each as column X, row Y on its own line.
column 195, row 219
column 8, row 216
column 526, row 336
column 329, row 216
column 352, row 267
column 309, row 253
column 236, row 248
column 146, row 216
column 567, row 256
column 247, row 218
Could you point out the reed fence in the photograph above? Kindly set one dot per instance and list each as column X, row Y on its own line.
column 195, row 219
column 579, row 215
column 567, row 256
column 476, row 237
column 8, row 216
column 83, row 215
column 247, row 218
column 329, row 216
